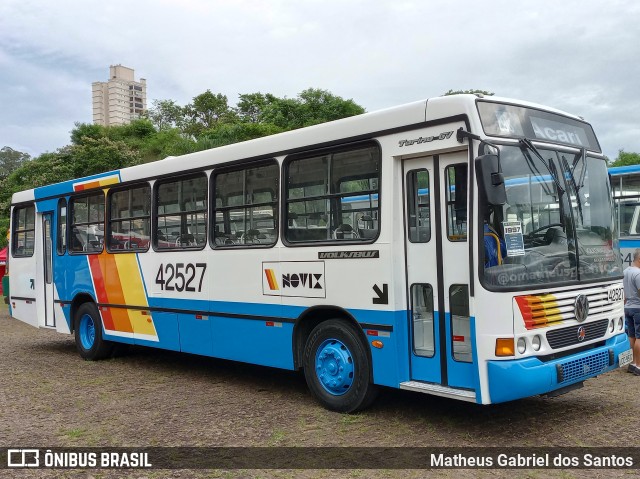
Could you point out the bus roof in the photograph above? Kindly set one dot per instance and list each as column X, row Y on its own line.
column 354, row 128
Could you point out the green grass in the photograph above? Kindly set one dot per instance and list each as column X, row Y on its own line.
column 276, row 438
column 75, row 433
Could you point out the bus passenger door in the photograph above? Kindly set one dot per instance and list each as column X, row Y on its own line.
column 47, row 262
column 420, row 238
column 461, row 368
column 438, row 274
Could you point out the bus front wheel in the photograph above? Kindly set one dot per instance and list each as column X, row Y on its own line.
column 337, row 367
column 88, row 333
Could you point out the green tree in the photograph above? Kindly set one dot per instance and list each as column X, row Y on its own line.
column 206, row 111
column 472, row 92
column 166, row 114
column 86, row 130
column 320, row 106
column 311, row 107
column 169, row 130
column 4, row 229
column 284, row 113
column 98, row 156
column 10, row 160
column 137, row 135
column 626, row 158
column 229, row 133
column 169, row 142
column 45, row 169
column 91, row 157
column 251, row 106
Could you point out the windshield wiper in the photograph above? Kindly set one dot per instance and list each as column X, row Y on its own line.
column 572, row 178
column 576, row 161
column 525, row 142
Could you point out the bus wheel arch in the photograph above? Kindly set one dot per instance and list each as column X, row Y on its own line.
column 331, row 348
column 311, row 318
column 78, row 300
column 87, row 328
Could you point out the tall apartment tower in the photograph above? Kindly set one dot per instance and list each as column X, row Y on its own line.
column 120, row 99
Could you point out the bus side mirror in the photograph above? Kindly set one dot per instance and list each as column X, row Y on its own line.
column 491, row 180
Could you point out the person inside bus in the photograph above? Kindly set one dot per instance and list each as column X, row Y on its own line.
column 631, row 283
column 495, row 249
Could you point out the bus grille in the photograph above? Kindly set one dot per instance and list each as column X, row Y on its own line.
column 583, row 368
column 560, row 338
column 539, row 310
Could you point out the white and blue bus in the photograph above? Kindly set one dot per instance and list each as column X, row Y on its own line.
column 460, row 246
column 625, row 183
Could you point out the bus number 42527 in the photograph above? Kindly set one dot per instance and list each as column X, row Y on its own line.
column 180, row 277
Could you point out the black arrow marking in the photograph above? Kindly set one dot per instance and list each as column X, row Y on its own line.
column 33, row 284
column 383, row 296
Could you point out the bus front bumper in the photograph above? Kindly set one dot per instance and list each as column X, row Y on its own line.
column 520, row 378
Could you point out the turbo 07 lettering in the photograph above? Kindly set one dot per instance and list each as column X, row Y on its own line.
column 181, row 277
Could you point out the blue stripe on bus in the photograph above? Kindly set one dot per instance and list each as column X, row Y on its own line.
column 253, row 341
column 629, row 243
column 66, row 187
column 460, row 374
column 623, row 170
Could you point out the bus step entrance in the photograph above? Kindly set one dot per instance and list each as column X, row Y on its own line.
column 439, row 390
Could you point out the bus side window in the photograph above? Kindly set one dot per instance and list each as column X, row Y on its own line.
column 418, row 206
column 460, row 322
column 456, row 197
column 87, row 224
column 333, row 196
column 23, row 235
column 180, row 213
column 61, row 243
column 246, row 206
column 422, row 314
column 130, row 219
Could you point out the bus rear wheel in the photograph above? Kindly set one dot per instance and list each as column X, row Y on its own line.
column 88, row 333
column 337, row 367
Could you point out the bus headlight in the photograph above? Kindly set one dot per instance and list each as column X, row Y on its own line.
column 612, row 326
column 522, row 345
column 620, row 324
column 536, row 342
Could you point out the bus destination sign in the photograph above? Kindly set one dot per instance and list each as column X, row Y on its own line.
column 520, row 122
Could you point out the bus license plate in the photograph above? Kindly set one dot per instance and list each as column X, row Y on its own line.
column 615, row 294
column 625, row 357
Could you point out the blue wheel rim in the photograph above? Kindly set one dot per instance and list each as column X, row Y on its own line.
column 87, row 331
column 335, row 367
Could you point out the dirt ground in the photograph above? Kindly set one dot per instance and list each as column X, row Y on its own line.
column 50, row 397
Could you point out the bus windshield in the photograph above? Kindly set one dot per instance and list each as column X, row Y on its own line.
column 557, row 223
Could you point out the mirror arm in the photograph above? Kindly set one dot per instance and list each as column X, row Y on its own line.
column 461, row 134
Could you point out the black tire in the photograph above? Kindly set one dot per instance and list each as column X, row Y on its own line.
column 90, row 347
column 337, row 367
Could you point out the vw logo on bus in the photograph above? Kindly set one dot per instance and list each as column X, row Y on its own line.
column 582, row 333
column 581, row 307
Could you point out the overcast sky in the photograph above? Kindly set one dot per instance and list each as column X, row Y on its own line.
column 577, row 55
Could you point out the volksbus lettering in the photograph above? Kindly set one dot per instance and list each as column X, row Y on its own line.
column 348, row 254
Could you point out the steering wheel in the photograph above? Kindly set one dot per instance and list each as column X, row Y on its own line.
column 541, row 228
column 566, row 265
